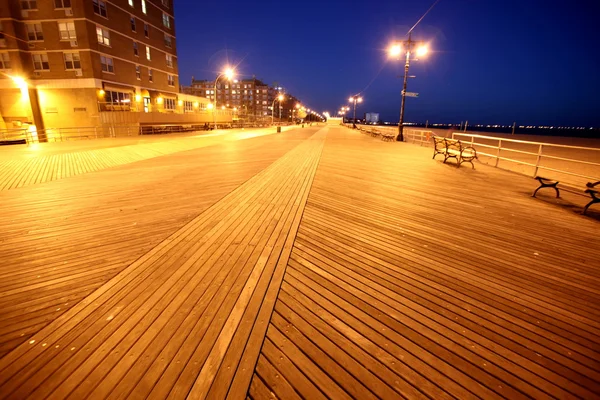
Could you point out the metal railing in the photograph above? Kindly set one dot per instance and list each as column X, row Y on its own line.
column 574, row 161
column 13, row 134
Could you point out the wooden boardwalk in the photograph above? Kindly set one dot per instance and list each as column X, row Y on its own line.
column 312, row 264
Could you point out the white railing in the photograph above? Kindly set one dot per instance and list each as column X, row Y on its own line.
column 420, row 136
column 13, row 134
column 553, row 159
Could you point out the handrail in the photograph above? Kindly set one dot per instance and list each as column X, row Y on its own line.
column 540, row 156
column 523, row 141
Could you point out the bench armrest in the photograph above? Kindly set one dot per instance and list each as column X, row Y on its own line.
column 591, row 185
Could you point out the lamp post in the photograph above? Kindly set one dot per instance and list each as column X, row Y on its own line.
column 396, row 50
column 295, row 110
column 280, row 98
column 229, row 72
column 355, row 99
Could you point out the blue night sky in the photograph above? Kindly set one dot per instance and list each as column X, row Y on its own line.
column 492, row 61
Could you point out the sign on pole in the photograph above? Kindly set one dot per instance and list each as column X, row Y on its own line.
column 411, row 94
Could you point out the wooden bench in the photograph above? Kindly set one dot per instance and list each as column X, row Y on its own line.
column 452, row 148
column 590, row 189
column 388, row 136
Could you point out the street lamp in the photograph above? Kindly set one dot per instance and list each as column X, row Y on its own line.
column 395, row 51
column 280, row 98
column 355, row 99
column 228, row 73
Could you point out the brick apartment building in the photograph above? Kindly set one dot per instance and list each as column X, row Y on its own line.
column 91, row 62
column 250, row 99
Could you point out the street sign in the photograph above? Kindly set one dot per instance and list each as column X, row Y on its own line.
column 411, row 94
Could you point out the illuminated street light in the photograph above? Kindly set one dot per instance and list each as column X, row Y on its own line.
column 229, row 74
column 355, row 99
column 395, row 51
column 280, row 99
column 422, row 50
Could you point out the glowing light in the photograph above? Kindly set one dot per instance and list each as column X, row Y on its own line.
column 138, row 98
column 229, row 73
column 101, row 92
column 159, row 100
column 20, row 82
column 180, row 102
column 280, row 97
column 422, row 50
column 210, row 106
column 395, row 50
column 195, row 104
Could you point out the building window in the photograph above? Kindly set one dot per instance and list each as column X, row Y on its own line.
column 168, row 42
column 103, row 36
column 144, row 6
column 28, row 4
column 100, row 7
column 171, row 80
column 107, row 64
column 4, row 61
column 148, row 53
column 62, row 3
column 72, row 61
column 132, row 20
column 188, row 106
column 40, row 62
column 130, row 2
column 135, row 49
column 34, row 31
column 146, row 29
column 67, row 30
column 169, row 104
column 117, row 98
column 150, row 75
column 138, row 72
column 166, row 21
column 165, row 3
column 169, row 60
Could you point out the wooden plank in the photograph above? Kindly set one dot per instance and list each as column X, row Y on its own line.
column 252, row 350
column 86, row 324
column 259, row 391
column 506, row 309
column 281, row 388
column 292, row 374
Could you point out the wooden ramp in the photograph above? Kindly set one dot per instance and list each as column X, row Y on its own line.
column 410, row 278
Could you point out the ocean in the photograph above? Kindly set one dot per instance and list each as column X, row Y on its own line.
column 588, row 133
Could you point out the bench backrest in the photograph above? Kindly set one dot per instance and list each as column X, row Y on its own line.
column 453, row 144
column 438, row 143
